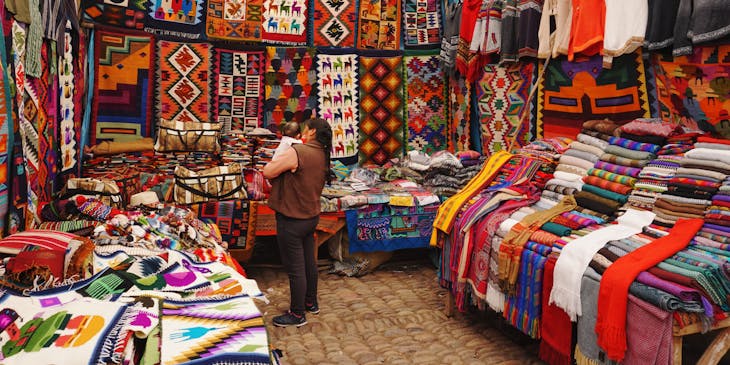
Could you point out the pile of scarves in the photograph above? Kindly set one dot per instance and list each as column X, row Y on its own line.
column 445, row 174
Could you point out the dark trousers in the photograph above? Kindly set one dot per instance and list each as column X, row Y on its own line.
column 295, row 238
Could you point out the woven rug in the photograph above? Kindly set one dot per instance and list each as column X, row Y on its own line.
column 383, row 227
column 425, row 102
column 459, row 113
column 230, row 216
column 379, row 25
column 502, row 98
column 291, row 85
column 6, row 134
column 573, row 92
column 69, row 100
column 238, row 89
column 19, row 174
column 122, row 108
column 176, row 20
column 333, row 23
column 222, row 331
column 338, row 102
column 128, row 14
column 691, row 91
column 422, row 22
column 238, row 20
column 183, row 90
column 381, row 108
column 285, row 22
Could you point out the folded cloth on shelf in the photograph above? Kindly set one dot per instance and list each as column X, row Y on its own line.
column 606, row 184
column 577, row 254
column 705, row 164
column 617, row 169
column 571, row 169
column 709, row 154
column 614, row 177
column 597, row 203
column 556, row 229
column 633, row 145
column 620, row 160
column 582, row 155
column 657, row 140
column 718, row 146
column 592, row 141
column 628, row 153
column 605, row 193
column 575, row 161
column 697, row 209
column 593, row 150
column 613, row 294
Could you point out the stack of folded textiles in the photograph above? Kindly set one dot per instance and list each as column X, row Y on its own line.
column 446, row 175
column 614, row 174
column 690, row 191
column 548, row 151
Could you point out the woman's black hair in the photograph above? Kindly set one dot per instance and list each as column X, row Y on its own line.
column 323, row 136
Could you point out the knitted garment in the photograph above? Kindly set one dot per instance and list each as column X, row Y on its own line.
column 613, row 294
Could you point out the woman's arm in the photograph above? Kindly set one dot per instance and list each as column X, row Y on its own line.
column 287, row 161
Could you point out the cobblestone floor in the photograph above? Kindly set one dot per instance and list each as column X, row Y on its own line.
column 394, row 315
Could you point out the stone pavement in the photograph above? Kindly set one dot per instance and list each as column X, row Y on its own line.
column 394, row 315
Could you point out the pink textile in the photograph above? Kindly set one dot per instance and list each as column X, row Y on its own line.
column 648, row 334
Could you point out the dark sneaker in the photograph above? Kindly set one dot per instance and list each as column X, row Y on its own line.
column 290, row 319
column 312, row 308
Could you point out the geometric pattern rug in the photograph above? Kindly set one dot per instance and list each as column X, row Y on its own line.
column 381, row 107
column 422, row 22
column 338, row 102
column 122, row 86
column 333, row 23
column 176, row 20
column 692, row 90
column 127, row 14
column 237, row 85
column 379, row 25
column 460, row 114
column 425, row 102
column 573, row 92
column 237, row 20
column 502, row 98
column 183, row 87
column 290, row 85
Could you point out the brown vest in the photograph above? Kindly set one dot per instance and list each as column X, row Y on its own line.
column 296, row 194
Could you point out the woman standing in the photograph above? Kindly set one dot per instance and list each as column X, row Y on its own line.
column 297, row 179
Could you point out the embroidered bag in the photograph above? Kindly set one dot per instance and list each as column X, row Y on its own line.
column 215, row 183
column 178, row 136
column 102, row 189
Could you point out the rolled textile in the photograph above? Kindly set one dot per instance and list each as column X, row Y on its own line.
column 577, row 254
column 575, row 161
column 556, row 229
column 601, row 125
column 592, row 141
column 617, row 169
column 625, row 152
column 593, row 150
column 596, row 134
column 606, row 184
column 605, row 193
column 597, row 203
column 619, row 160
column 709, row 154
column 633, row 145
column 657, row 140
column 705, row 164
column 717, row 146
column 582, row 155
column 613, row 294
column 571, row 169
column 613, row 177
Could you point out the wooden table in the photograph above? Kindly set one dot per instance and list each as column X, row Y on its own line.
column 714, row 352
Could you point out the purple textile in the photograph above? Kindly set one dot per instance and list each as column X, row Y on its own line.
column 715, row 231
column 718, row 227
column 725, row 198
column 618, row 169
column 681, row 291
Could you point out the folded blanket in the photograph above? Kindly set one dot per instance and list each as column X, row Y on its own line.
column 628, row 153
column 606, row 184
column 572, row 169
column 705, row 164
column 618, row 169
column 596, row 134
column 709, row 154
column 610, row 176
column 560, row 189
column 594, row 150
column 633, row 145
column 716, row 146
column 575, row 161
column 655, row 127
column 582, row 155
column 605, row 193
column 620, row 160
column 657, row 140
column 592, row 141
column 596, row 203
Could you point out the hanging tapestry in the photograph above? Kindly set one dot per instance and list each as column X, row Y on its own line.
column 231, row 217
column 38, row 329
column 238, row 20
column 237, row 89
column 128, row 14
column 385, row 227
column 221, row 331
column 68, row 98
column 381, row 108
column 333, row 23
column 176, row 20
column 20, row 186
column 460, row 112
column 693, row 89
column 182, row 81
column 573, row 92
column 123, row 75
column 337, row 82
column 6, row 122
column 425, row 102
column 291, row 85
column 285, row 22
column 379, row 25
column 502, row 101
column 422, row 22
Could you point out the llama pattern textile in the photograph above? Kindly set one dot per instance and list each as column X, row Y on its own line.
column 337, row 80
column 285, row 22
column 379, row 25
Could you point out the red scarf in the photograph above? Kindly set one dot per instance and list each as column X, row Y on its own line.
column 555, row 327
column 614, row 292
